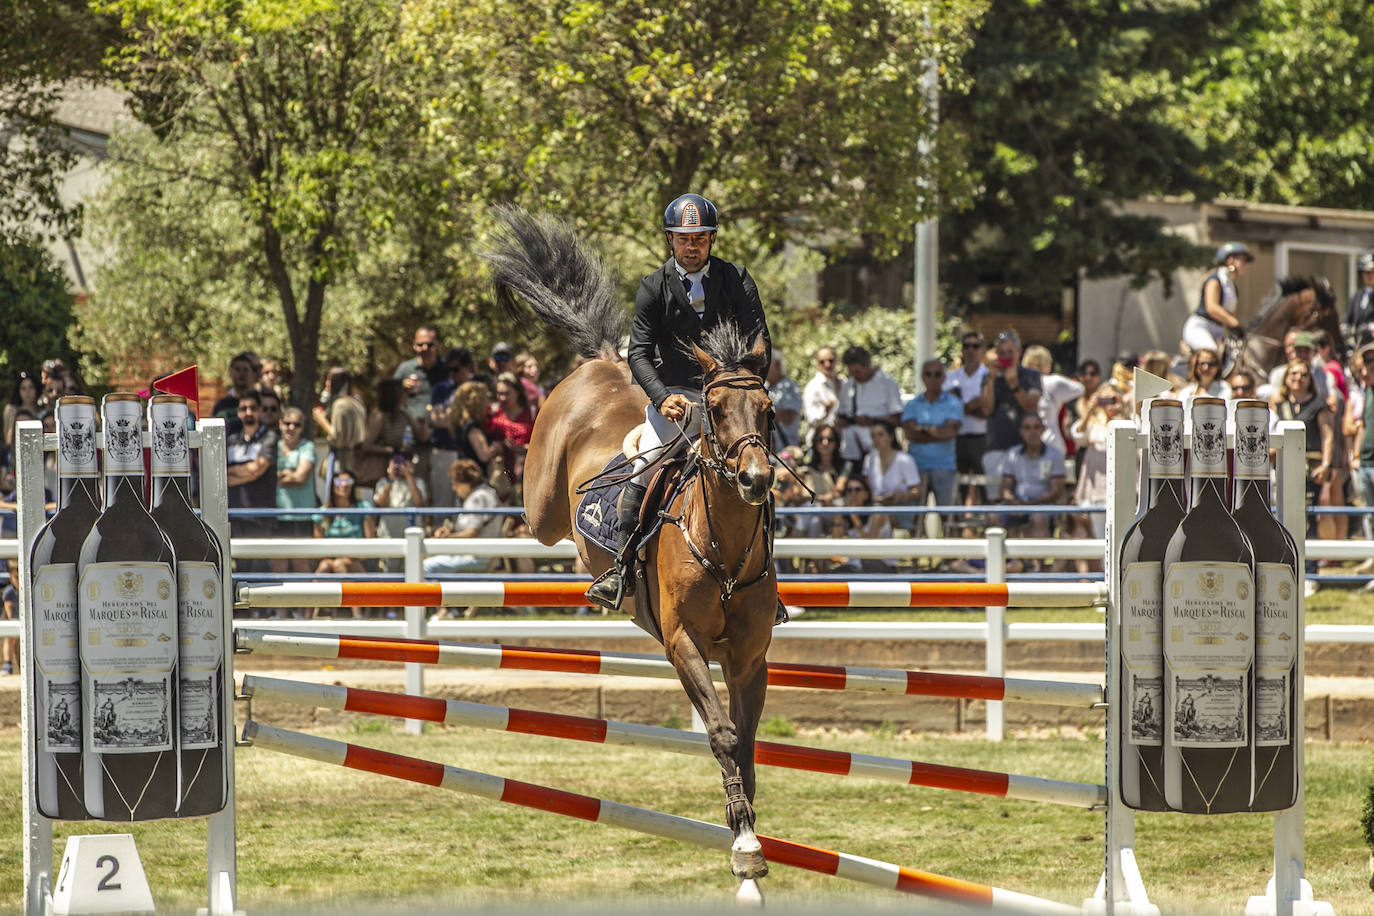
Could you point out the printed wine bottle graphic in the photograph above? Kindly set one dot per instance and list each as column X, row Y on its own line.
column 1141, row 687
column 129, row 641
column 1209, row 637
column 200, row 611
column 1278, row 585
column 56, row 693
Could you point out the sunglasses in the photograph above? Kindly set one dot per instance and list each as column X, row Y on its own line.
column 293, row 424
column 973, row 345
column 825, row 438
column 825, row 362
column 343, row 481
column 501, row 357
column 856, row 489
column 932, row 374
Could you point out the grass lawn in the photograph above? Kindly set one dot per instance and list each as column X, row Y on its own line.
column 324, row 838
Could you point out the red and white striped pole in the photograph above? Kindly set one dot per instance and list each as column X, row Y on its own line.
column 589, row 661
column 642, row 820
column 602, row 731
column 572, row 593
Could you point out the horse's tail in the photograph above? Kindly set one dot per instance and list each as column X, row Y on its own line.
column 543, row 267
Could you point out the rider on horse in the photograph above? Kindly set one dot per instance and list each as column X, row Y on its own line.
column 1215, row 315
column 690, row 294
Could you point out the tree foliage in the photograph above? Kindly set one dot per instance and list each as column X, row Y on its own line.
column 292, row 130
column 803, row 116
column 1282, row 104
column 1067, row 117
column 38, row 309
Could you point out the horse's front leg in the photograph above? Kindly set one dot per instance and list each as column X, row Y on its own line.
column 748, row 684
column 689, row 658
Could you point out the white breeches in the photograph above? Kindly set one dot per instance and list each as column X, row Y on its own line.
column 658, row 430
column 1204, row 334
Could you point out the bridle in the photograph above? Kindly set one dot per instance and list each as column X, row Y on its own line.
column 720, row 458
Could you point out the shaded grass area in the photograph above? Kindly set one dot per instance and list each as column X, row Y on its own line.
column 319, row 837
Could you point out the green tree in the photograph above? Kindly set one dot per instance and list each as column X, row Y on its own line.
column 37, row 308
column 1067, row 117
column 1283, row 104
column 804, row 117
column 295, row 130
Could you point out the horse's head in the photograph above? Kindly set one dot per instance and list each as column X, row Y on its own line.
column 737, row 419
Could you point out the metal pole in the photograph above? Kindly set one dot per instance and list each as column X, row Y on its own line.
column 415, row 618
column 1121, row 888
column 38, row 877
column 928, row 230
column 221, row 831
column 997, row 629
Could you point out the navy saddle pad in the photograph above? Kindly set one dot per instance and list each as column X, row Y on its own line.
column 596, row 512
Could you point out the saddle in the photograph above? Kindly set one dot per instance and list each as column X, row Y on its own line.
column 596, row 511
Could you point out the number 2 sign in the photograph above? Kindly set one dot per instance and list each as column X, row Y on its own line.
column 101, row 873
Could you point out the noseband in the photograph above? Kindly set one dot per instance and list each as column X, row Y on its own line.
column 719, row 460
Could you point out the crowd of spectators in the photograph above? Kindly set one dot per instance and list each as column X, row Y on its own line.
column 997, row 426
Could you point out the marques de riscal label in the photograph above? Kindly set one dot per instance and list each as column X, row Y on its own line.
column 200, row 608
column 129, row 651
column 55, row 658
column 167, row 432
column 1142, row 673
column 1276, row 629
column 1209, row 647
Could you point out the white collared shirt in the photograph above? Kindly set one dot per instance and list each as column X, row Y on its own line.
column 696, row 290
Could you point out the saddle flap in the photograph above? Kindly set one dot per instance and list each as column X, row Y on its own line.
column 662, row 486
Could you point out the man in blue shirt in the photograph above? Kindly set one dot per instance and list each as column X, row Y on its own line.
column 931, row 423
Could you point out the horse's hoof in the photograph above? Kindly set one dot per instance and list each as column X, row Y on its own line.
column 746, row 859
column 749, row 894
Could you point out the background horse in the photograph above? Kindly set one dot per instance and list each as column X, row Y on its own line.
column 710, row 577
column 1302, row 303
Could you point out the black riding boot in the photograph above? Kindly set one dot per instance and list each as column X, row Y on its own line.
column 617, row 582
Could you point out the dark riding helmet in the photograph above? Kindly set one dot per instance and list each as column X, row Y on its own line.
column 690, row 213
column 1233, row 250
column 1366, row 261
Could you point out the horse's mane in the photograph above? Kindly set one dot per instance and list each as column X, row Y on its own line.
column 539, row 265
column 1287, row 286
column 728, row 346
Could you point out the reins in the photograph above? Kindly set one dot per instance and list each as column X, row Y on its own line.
column 728, row 581
column 716, row 458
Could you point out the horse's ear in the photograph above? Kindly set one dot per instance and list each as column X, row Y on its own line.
column 708, row 365
column 757, row 360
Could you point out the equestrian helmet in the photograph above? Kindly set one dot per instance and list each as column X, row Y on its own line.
column 690, row 213
column 1365, row 262
column 1233, row 250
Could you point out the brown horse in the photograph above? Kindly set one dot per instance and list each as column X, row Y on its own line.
column 709, row 573
column 1301, row 303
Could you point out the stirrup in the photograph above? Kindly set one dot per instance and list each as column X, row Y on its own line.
column 611, row 593
column 781, row 616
